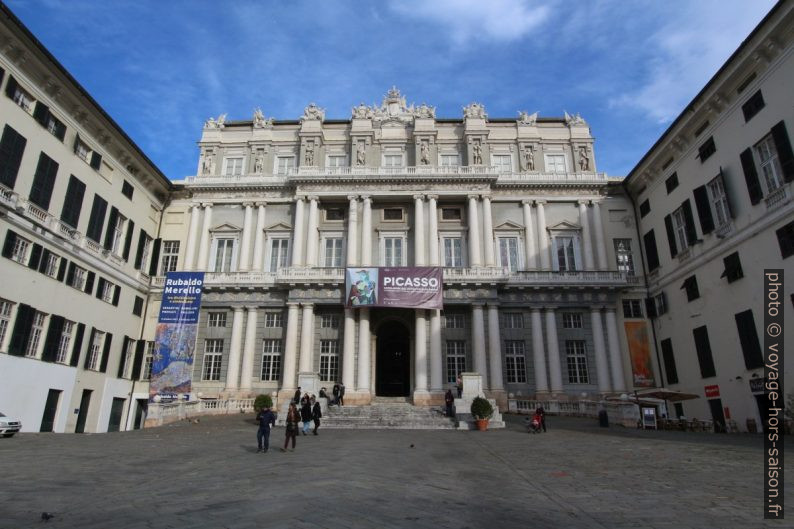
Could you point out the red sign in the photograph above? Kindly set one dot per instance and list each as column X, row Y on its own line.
column 712, row 392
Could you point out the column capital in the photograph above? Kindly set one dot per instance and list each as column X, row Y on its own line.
column 419, row 197
column 295, row 304
column 299, row 198
column 493, row 304
column 206, row 205
column 313, row 198
column 195, row 205
column 251, row 308
column 307, row 305
column 366, row 198
column 432, row 197
column 473, row 197
column 540, row 203
column 583, row 202
column 352, row 198
column 486, row 196
column 477, row 304
column 260, row 204
column 527, row 202
column 239, row 308
column 610, row 309
column 248, row 205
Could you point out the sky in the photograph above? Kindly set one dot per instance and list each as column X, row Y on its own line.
column 162, row 68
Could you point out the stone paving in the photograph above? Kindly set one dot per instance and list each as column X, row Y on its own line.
column 209, row 475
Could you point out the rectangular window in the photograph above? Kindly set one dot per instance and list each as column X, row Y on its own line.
column 703, row 347
column 785, row 239
column 213, row 354
column 95, row 351
column 285, row 164
column 43, row 181
column 81, row 150
column 233, row 166
column 393, row 160
column 329, row 360
column 571, row 320
column 5, row 318
column 454, row 320
column 515, row 362
column 127, row 190
column 679, row 229
column 19, row 251
column 645, row 208
column 106, row 290
column 73, row 202
column 453, row 251
column 393, row 254
column 51, row 264
column 576, row 357
column 555, row 163
column 329, row 321
column 702, row 128
column 508, row 253
column 652, row 253
column 456, row 359
column 170, row 251
column 333, row 251
column 451, row 214
column 216, row 319
column 334, row 214
column 279, row 253
column 393, row 214
column 566, row 253
column 128, row 358
column 224, row 251
column 753, row 106
column 146, row 372
column 137, row 306
column 450, row 160
column 76, row 277
column 21, row 97
column 632, row 308
column 772, row 173
column 32, row 347
column 691, row 287
column 513, row 320
column 669, row 361
column 12, row 146
column 118, row 234
column 707, row 149
column 53, row 125
column 62, row 354
column 624, row 256
column 271, row 360
column 273, row 320
column 502, row 162
column 336, row 161
column 671, row 182
column 733, row 268
column 719, row 200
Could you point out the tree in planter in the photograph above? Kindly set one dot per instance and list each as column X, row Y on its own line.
column 263, row 401
column 481, row 408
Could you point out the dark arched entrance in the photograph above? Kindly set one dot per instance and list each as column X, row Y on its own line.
column 393, row 360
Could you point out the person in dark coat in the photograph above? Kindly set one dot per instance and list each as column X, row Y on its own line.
column 291, row 423
column 306, row 415
column 297, row 398
column 266, row 418
column 317, row 413
column 542, row 413
column 341, row 400
column 449, row 399
column 336, row 394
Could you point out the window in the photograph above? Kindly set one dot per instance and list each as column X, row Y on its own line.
column 285, row 164
column 81, row 149
column 785, row 238
column 393, row 160
column 651, row 252
column 95, row 350
column 450, row 160
column 703, row 347
column 127, row 190
column 746, row 83
column 660, row 304
column 333, row 251
column 632, row 308
column 213, row 354
column 170, row 257
column 707, row 149
column 137, row 306
column 12, row 146
column 502, row 162
column 513, row 320
column 508, row 253
column 334, row 214
column 142, row 256
column 51, row 264
column 576, row 356
column 771, row 171
column 671, row 182
column 329, row 360
column 216, row 319
column 45, row 118
column 97, row 219
column 19, row 251
column 271, row 360
column 329, row 321
column 555, row 163
column 669, row 361
column 623, row 256
column 233, row 166
column 571, row 320
column 5, row 319
column 224, row 253
column 566, row 250
column 702, row 128
column 146, row 373
column 37, row 327
column 691, row 286
column 106, row 290
column 753, row 106
column 393, row 214
column 43, row 181
column 117, row 235
column 515, row 362
column 645, row 208
column 453, row 251
column 128, row 358
column 273, row 320
column 78, row 277
column 73, row 202
column 62, row 354
column 733, row 268
column 679, row 229
column 719, row 200
column 454, row 320
column 337, row 161
column 279, row 253
column 393, row 251
column 19, row 96
column 451, row 214
column 456, row 359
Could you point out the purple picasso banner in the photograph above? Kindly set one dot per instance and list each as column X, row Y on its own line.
column 409, row 287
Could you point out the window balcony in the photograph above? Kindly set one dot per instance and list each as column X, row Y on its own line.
column 777, row 198
column 580, row 278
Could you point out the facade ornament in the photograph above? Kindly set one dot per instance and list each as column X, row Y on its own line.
column 584, row 159
column 424, row 156
column 259, row 163
column 361, row 153
column 308, row 155
column 207, row 162
column 528, row 160
column 313, row 113
column 260, row 122
column 476, row 153
column 425, row 111
column 362, row 111
column 212, row 123
column 475, row 111
column 394, row 108
column 527, row 119
column 573, row 120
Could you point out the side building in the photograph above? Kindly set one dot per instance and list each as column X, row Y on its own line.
column 714, row 204
column 80, row 209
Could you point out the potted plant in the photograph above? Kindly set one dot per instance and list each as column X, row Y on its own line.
column 263, row 401
column 481, row 410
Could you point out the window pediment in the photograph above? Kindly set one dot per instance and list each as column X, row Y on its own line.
column 226, row 228
column 280, row 226
column 508, row 226
column 565, row 226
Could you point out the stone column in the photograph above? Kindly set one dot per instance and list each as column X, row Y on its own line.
column 349, row 350
column 245, row 244
column 432, row 231
column 307, row 339
column 475, row 259
column 297, row 233
column 601, row 248
column 436, row 358
column 366, row 232
column 543, row 237
column 420, row 352
column 616, row 359
column 352, row 229
column 312, row 234
column 249, row 351
column 190, row 251
column 362, row 384
column 555, row 369
column 259, row 238
column 529, row 236
column 495, row 348
column 602, row 366
column 539, row 353
column 204, row 246
column 478, row 342
column 587, row 244
column 291, row 346
column 487, row 228
column 233, row 369
column 419, row 230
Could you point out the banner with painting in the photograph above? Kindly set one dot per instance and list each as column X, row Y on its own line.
column 409, row 287
column 640, row 353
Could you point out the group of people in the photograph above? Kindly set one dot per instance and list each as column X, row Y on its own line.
column 338, row 393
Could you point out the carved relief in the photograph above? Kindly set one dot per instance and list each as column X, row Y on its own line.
column 362, row 111
column 424, row 111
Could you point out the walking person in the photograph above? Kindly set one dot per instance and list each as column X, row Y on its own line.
column 449, row 399
column 293, row 417
column 297, row 397
column 542, row 414
column 317, row 413
column 266, row 418
column 306, row 415
column 341, row 400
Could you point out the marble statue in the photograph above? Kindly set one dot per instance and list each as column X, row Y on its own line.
column 584, row 159
column 475, row 110
column 313, row 113
column 527, row 119
column 361, row 154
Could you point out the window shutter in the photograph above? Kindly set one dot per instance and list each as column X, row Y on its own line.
column 41, row 113
column 76, row 143
column 73, row 202
column 90, row 343
column 50, row 353
column 668, row 224
column 78, row 344
column 100, row 285
column 649, row 239
column 155, row 257
column 43, row 181
column 62, row 269
column 12, row 146
column 35, row 256
column 22, row 327
column 89, row 283
column 138, row 362
column 106, row 353
column 2, row 74
column 669, row 361
column 128, row 241
column 139, row 252
column 11, row 87
column 45, row 254
column 703, row 347
column 120, row 373
column 784, row 154
column 751, row 176
column 114, row 215
column 60, row 130
column 748, row 337
column 689, row 223
column 704, row 209
column 8, row 246
column 96, row 160
column 97, row 219
column 116, row 295
column 650, row 307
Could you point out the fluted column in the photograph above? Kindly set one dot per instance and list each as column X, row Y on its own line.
column 204, row 245
column 249, row 350
column 475, row 258
column 420, row 351
column 432, row 232
column 602, row 366
column 543, row 237
column 616, row 359
column 555, row 369
column 307, row 339
column 349, row 350
column 233, row 369
column 478, row 342
column 436, row 358
column 192, row 236
column 352, row 229
column 245, row 244
column 587, row 244
column 495, row 348
column 362, row 384
column 297, row 233
column 366, row 232
column 529, row 237
column 487, row 228
column 601, row 248
column 419, row 230
column 312, row 234
column 291, row 346
column 259, row 239
column 539, row 353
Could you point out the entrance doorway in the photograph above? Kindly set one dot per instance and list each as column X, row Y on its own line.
column 116, row 409
column 717, row 415
column 141, row 407
column 393, row 360
column 82, row 414
column 50, row 410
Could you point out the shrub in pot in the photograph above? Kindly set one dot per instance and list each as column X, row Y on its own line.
column 263, row 401
column 481, row 410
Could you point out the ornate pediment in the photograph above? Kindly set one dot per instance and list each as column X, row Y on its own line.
column 564, row 226
column 508, row 226
column 393, row 109
column 279, row 226
column 225, row 227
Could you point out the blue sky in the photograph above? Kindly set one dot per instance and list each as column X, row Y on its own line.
column 161, row 68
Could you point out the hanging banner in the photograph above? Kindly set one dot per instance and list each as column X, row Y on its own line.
column 640, row 352
column 175, row 338
column 408, row 287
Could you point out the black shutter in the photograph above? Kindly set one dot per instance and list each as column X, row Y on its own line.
column 35, row 256
column 99, row 287
column 11, row 87
column 114, row 215
column 8, row 246
column 89, row 283
column 12, row 146
column 137, row 306
column 139, row 252
column 650, row 307
column 103, row 367
column 649, row 239
column 96, row 160
column 97, row 219
column 784, row 153
column 733, row 267
column 155, row 257
column 2, row 74
column 62, row 269
column 705, row 359
column 116, row 295
column 138, row 363
column 53, row 338
column 73, row 202
column 668, row 225
column 751, row 176
column 70, row 274
column 120, row 372
column 43, row 181
column 90, row 344
column 128, row 241
column 689, row 223
column 45, row 257
column 704, row 209
column 41, row 113
column 669, row 361
column 76, row 143
column 22, row 327
column 78, row 344
column 748, row 337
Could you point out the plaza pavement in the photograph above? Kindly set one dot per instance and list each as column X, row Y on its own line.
column 208, row 475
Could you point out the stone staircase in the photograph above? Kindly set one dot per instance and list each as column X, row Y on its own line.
column 387, row 414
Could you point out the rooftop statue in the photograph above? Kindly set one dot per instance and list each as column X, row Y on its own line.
column 573, row 120
column 525, row 118
column 260, row 121
column 475, row 110
column 313, row 113
column 212, row 123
